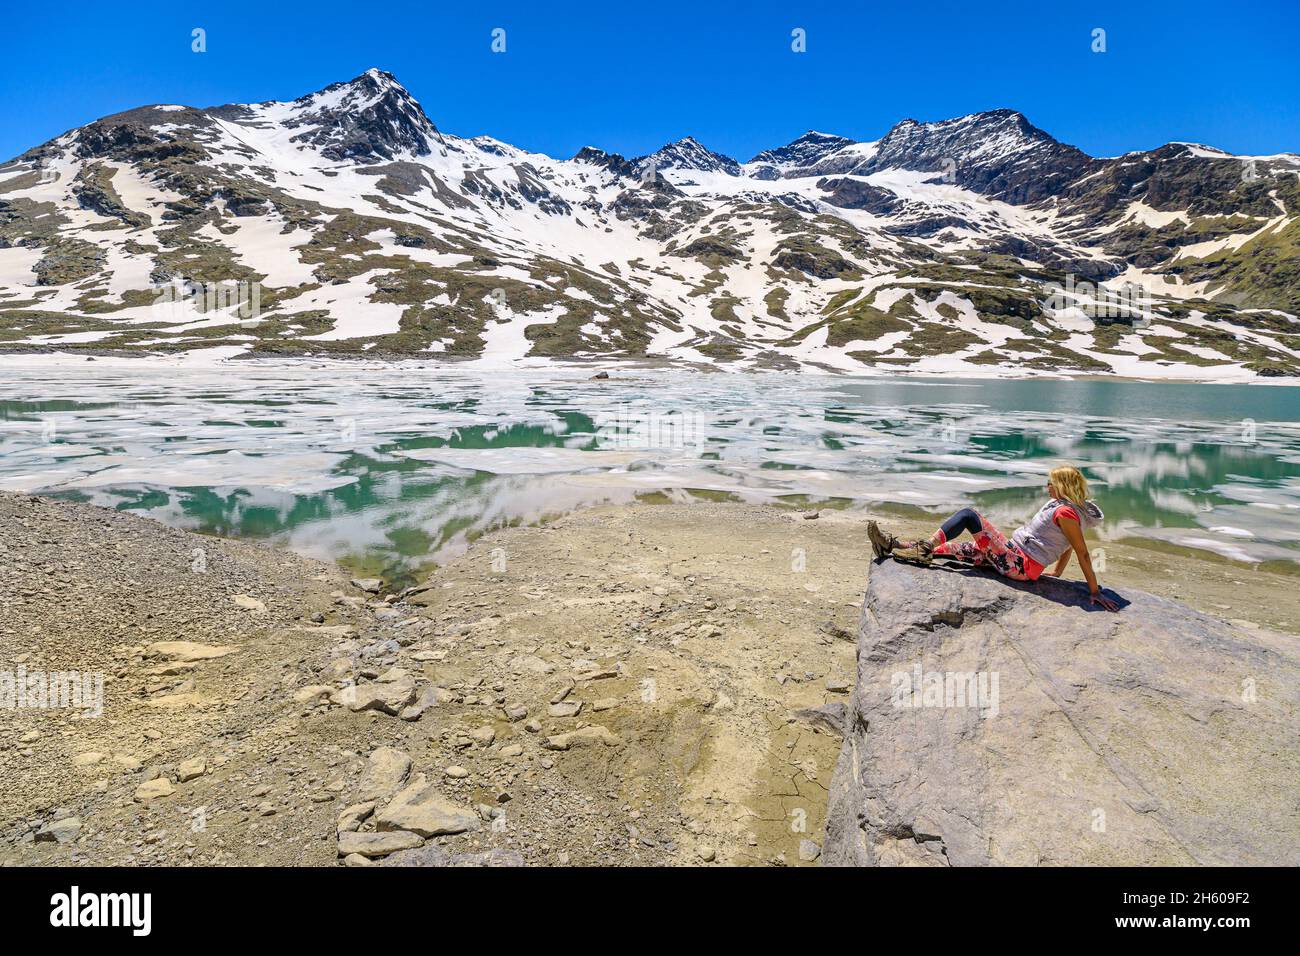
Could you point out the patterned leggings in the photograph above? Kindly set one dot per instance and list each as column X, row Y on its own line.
column 989, row 547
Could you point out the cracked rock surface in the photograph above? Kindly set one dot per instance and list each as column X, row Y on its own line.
column 1157, row 735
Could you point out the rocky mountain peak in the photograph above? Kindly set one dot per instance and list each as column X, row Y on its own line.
column 689, row 153
column 614, row 162
column 370, row 118
column 984, row 135
column 808, row 149
column 368, row 85
column 998, row 153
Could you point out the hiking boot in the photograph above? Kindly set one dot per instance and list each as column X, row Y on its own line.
column 918, row 553
column 881, row 541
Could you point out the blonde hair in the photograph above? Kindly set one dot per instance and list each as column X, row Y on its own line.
column 1069, row 483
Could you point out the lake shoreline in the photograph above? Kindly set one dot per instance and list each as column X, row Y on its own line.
column 227, row 355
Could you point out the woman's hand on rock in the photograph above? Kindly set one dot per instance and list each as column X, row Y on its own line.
column 1098, row 598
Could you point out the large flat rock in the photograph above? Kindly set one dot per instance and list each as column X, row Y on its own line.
column 1157, row 735
column 421, row 808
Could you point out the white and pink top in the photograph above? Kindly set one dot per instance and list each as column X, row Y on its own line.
column 1042, row 539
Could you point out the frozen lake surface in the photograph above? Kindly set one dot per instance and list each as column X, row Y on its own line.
column 388, row 466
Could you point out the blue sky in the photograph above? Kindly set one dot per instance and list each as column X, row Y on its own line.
column 630, row 76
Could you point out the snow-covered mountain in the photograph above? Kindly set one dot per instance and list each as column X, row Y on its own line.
column 346, row 222
column 808, row 150
column 687, row 154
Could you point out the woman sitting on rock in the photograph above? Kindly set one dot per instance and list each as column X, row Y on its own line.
column 1050, row 536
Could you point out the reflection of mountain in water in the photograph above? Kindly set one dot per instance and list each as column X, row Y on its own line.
column 1168, row 483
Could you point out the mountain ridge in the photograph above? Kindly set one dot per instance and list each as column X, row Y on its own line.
column 939, row 247
column 375, row 75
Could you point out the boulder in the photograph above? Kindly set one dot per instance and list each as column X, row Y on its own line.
column 583, row 737
column 59, row 831
column 186, row 651
column 828, row 718
column 312, row 693
column 995, row 722
column 190, row 769
column 376, row 844
column 421, row 808
column 152, row 789
column 433, row 855
column 389, row 697
column 351, row 818
column 385, row 772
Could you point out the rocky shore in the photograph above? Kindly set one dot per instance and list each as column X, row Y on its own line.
column 606, row 690
column 657, row 684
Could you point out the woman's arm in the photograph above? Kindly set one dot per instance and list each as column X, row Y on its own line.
column 1074, row 534
column 1061, row 565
